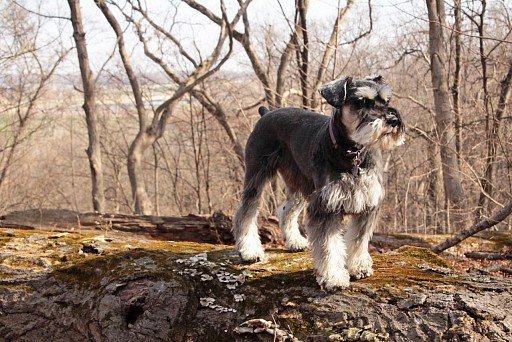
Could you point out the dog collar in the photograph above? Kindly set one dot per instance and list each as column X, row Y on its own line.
column 331, row 133
column 357, row 154
column 358, row 159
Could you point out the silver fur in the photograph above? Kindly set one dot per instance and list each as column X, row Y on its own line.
column 335, row 178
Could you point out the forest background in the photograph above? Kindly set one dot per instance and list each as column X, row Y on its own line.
column 153, row 115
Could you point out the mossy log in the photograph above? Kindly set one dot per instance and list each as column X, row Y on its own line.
column 87, row 287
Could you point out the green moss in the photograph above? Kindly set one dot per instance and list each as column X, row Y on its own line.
column 16, row 287
column 422, row 254
column 97, row 270
column 283, row 272
column 395, row 271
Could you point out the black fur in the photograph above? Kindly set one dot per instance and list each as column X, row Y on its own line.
column 263, row 110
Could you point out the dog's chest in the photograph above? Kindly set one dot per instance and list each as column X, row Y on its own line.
column 354, row 195
column 368, row 191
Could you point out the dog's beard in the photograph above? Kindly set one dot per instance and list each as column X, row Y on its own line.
column 378, row 134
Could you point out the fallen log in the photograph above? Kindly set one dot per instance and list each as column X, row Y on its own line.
column 130, row 289
column 215, row 229
column 489, row 255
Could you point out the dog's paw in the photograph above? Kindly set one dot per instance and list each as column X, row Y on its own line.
column 298, row 244
column 333, row 282
column 252, row 254
column 361, row 267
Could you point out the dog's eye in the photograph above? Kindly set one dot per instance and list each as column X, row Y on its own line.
column 368, row 103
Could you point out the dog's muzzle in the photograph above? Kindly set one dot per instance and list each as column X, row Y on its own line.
column 393, row 118
column 392, row 121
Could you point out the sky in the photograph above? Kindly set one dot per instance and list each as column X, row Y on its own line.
column 193, row 28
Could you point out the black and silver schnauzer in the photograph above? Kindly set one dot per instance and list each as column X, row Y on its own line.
column 333, row 163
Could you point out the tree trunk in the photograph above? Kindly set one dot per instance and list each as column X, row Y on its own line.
column 456, row 77
column 89, row 106
column 302, row 49
column 432, row 190
column 142, row 202
column 488, row 255
column 486, row 180
column 444, row 118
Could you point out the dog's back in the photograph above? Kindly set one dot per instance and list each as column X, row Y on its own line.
column 287, row 124
column 285, row 139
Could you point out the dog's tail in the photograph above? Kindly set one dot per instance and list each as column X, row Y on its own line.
column 263, row 110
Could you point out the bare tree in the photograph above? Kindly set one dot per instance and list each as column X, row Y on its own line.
column 444, row 117
column 274, row 85
column 27, row 75
column 149, row 132
column 273, row 89
column 89, row 106
column 456, row 32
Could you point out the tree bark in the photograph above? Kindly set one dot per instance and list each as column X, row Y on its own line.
column 444, row 118
column 486, row 180
column 302, row 49
column 89, row 106
column 140, row 197
column 456, row 77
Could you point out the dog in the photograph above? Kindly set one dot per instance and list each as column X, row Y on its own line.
column 331, row 164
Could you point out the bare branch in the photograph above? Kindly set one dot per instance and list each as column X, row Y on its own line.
column 498, row 217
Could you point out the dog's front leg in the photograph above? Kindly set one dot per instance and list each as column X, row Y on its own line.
column 329, row 252
column 325, row 234
column 357, row 237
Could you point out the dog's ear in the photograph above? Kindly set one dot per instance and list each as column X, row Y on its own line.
column 335, row 92
column 376, row 78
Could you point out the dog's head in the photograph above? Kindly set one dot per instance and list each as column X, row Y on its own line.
column 363, row 109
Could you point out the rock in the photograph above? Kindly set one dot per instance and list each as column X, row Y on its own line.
column 415, row 299
column 138, row 289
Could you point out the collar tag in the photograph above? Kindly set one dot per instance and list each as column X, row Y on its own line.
column 356, row 162
column 355, row 170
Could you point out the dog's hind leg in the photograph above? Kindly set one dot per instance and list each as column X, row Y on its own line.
column 245, row 228
column 288, row 214
column 357, row 237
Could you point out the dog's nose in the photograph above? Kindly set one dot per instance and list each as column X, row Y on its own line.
column 393, row 121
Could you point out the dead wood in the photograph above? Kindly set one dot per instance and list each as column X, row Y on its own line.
column 489, row 255
column 215, row 229
column 71, row 287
